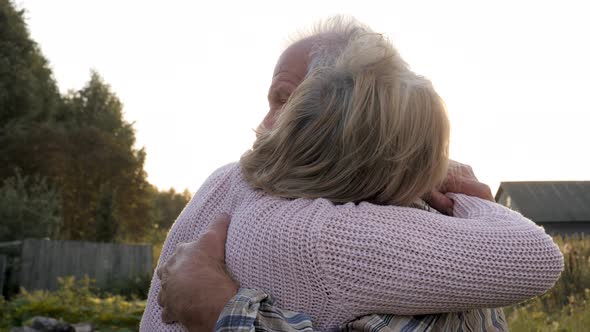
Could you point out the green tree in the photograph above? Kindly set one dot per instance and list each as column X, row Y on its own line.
column 28, row 91
column 167, row 205
column 29, row 207
column 29, row 98
column 106, row 225
column 80, row 144
column 104, row 180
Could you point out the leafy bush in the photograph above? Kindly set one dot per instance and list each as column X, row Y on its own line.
column 75, row 301
column 130, row 288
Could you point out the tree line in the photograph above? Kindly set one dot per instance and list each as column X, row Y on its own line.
column 69, row 165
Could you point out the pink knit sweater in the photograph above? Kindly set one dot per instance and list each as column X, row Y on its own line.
column 339, row 262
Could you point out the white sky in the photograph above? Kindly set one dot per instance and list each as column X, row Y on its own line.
column 193, row 75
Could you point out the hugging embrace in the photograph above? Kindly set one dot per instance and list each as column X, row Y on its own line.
column 348, row 211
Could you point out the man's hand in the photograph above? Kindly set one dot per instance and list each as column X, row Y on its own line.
column 460, row 179
column 195, row 284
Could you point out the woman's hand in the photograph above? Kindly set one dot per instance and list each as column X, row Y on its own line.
column 460, row 179
column 195, row 284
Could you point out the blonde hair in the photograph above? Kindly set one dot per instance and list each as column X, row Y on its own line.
column 360, row 127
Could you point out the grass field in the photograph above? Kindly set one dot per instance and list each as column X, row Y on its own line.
column 566, row 307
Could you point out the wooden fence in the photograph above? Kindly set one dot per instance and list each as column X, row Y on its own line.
column 43, row 261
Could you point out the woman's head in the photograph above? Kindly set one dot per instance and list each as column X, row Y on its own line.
column 360, row 127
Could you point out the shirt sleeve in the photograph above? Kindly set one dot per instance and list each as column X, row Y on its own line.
column 253, row 310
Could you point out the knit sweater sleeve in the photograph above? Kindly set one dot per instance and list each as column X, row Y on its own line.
column 406, row 261
column 210, row 200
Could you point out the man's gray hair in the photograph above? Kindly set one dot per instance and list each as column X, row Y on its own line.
column 330, row 37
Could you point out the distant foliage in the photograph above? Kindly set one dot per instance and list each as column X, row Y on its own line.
column 88, row 155
column 75, row 301
column 106, row 194
column 165, row 208
column 79, row 144
column 566, row 307
column 572, row 317
column 575, row 279
column 167, row 205
column 29, row 207
column 130, row 288
column 28, row 92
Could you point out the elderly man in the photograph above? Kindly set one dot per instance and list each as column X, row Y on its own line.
column 197, row 292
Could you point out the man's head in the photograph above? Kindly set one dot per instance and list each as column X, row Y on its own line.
column 289, row 72
column 349, row 121
column 320, row 46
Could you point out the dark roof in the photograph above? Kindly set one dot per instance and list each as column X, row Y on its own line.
column 548, row 200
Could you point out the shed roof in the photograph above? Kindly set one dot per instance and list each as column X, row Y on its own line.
column 556, row 201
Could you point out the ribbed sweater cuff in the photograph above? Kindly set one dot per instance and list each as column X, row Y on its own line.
column 472, row 207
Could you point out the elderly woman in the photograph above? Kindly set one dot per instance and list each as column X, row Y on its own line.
column 323, row 206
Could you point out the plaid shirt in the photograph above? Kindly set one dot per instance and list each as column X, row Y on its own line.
column 253, row 311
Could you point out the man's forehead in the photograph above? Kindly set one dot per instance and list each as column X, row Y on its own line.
column 294, row 60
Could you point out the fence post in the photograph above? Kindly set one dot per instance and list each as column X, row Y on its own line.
column 3, row 263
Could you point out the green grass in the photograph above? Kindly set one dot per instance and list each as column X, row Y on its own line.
column 566, row 307
column 574, row 316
